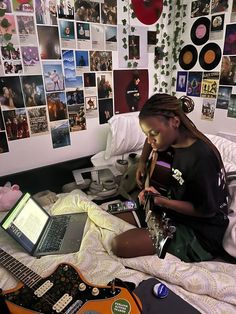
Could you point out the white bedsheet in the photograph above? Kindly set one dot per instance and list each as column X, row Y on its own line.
column 209, row 286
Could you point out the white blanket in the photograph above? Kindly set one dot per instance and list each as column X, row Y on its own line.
column 209, row 286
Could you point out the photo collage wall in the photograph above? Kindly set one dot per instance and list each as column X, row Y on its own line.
column 59, row 70
column 216, row 41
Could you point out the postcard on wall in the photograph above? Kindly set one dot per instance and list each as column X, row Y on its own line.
column 38, row 121
column 53, row 76
column 208, row 109
column 104, row 85
column 6, row 5
column 83, row 35
column 57, row 108
column 46, row 12
column 26, row 29
column 90, row 84
column 232, row 107
column 228, row 70
column 68, row 65
column 89, row 14
column 60, row 133
column 194, row 84
column 111, row 38
column 31, row 63
column 97, row 34
column 16, row 124
column 109, row 12
column 75, row 97
column 132, row 52
column 81, row 61
column 67, row 34
column 210, row 83
column 49, row 42
column 77, row 118
column 233, row 12
column 181, row 82
column 91, row 107
column 74, row 82
column 23, row 6
column 65, row 9
column 3, row 143
column 230, row 40
column 130, row 90
column 11, row 29
column 200, row 9
column 1, row 68
column 10, row 54
column 33, row 90
column 12, row 67
column 10, row 93
column 105, row 110
column 219, row 6
column 223, row 97
column 100, row 60
column 217, row 27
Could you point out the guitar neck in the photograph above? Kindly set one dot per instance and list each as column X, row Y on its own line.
column 20, row 271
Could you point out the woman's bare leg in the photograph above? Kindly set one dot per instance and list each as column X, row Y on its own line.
column 133, row 243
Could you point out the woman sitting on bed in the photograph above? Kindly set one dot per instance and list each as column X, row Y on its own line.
column 194, row 196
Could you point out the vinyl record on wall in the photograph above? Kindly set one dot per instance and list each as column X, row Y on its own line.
column 200, row 31
column 210, row 56
column 188, row 57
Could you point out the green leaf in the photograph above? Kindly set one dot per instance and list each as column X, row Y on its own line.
column 124, row 39
column 162, row 26
column 126, row 58
column 7, row 36
column 129, row 64
column 124, row 21
column 9, row 47
column 155, row 89
column 2, row 12
column 163, row 72
column 4, row 23
column 160, row 90
column 125, row 46
column 125, row 9
column 124, row 31
column 135, row 64
column 132, row 29
column 167, row 73
column 133, row 15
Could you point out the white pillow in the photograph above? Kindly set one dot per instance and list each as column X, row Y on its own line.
column 124, row 136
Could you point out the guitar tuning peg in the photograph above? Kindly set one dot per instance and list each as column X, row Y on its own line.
column 172, row 229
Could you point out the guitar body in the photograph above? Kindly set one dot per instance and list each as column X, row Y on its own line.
column 147, row 11
column 65, row 281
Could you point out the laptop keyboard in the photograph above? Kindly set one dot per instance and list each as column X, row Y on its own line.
column 55, row 234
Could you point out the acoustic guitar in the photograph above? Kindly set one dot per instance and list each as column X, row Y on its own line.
column 147, row 11
column 64, row 291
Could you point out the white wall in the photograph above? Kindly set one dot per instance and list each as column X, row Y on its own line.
column 38, row 151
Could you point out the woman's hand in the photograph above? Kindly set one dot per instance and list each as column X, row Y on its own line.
column 140, row 173
column 142, row 195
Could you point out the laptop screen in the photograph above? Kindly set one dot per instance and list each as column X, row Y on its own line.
column 25, row 222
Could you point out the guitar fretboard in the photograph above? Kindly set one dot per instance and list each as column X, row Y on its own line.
column 19, row 270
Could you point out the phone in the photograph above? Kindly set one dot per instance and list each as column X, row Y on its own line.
column 120, row 207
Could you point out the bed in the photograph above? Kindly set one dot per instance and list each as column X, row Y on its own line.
column 208, row 286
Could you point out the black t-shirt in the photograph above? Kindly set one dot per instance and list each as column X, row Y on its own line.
column 196, row 177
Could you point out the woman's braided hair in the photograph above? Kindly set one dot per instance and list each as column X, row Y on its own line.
column 170, row 106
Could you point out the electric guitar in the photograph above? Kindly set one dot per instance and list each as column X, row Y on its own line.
column 159, row 225
column 147, row 11
column 64, row 291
